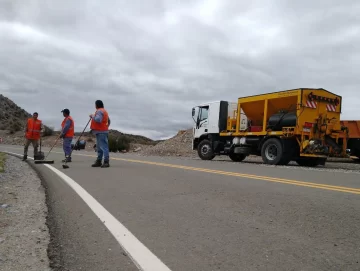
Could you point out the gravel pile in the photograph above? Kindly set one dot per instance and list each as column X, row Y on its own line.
column 179, row 145
column 24, row 236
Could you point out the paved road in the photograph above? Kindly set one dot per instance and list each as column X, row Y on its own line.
column 200, row 215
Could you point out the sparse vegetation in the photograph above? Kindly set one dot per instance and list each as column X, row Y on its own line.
column 48, row 131
column 120, row 143
column 15, row 126
column 2, row 162
column 123, row 143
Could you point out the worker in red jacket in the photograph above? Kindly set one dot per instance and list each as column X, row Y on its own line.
column 33, row 130
column 67, row 134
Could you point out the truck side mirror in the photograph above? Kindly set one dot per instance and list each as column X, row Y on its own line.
column 193, row 112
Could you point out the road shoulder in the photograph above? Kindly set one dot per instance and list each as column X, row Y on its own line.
column 24, row 236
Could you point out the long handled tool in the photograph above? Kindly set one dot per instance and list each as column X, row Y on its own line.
column 65, row 164
column 44, row 161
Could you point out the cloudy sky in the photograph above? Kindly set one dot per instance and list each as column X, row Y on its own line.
column 151, row 61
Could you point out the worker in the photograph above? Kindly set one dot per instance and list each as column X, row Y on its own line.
column 32, row 133
column 67, row 133
column 99, row 126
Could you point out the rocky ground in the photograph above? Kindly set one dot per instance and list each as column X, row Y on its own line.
column 24, row 236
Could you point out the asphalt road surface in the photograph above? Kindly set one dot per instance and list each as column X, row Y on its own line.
column 205, row 215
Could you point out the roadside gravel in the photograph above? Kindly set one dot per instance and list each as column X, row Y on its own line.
column 24, row 236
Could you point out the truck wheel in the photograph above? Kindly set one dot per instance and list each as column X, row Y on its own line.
column 237, row 157
column 272, row 152
column 205, row 151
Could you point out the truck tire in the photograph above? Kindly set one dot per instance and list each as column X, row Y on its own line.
column 272, row 152
column 205, row 151
column 237, row 157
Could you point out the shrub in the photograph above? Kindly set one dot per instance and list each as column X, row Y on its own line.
column 119, row 143
column 48, row 131
column 123, row 143
column 15, row 127
column 112, row 144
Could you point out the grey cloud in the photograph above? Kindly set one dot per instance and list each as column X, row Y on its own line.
column 152, row 61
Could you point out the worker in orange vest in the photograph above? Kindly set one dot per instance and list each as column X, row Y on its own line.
column 33, row 130
column 67, row 133
column 99, row 126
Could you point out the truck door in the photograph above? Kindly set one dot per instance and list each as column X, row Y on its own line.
column 202, row 121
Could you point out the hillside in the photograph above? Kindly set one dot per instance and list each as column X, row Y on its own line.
column 13, row 119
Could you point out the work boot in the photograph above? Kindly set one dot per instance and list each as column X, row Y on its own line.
column 106, row 164
column 97, row 163
column 67, row 160
column 24, row 157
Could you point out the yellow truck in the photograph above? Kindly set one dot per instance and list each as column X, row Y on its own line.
column 301, row 125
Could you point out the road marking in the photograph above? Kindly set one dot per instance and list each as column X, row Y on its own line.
column 142, row 257
column 242, row 175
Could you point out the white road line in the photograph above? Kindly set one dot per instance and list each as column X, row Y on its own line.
column 142, row 257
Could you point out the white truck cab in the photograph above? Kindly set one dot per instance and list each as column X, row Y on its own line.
column 210, row 119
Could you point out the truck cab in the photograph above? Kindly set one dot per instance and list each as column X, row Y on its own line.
column 210, row 119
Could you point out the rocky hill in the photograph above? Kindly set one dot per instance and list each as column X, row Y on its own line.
column 12, row 117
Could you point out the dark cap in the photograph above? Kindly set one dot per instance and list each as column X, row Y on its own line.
column 35, row 113
column 66, row 111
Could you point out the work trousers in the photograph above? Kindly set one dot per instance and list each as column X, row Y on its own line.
column 67, row 145
column 35, row 143
column 102, row 145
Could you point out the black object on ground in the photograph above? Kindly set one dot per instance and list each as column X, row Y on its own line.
column 39, row 158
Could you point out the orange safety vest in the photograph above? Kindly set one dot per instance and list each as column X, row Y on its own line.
column 70, row 132
column 33, row 129
column 104, row 125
